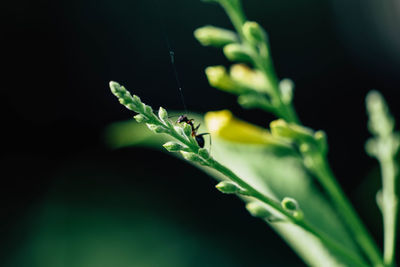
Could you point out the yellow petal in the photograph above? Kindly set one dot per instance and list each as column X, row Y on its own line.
column 224, row 125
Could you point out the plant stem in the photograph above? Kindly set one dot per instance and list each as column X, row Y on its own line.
column 322, row 169
column 324, row 174
column 347, row 212
column 389, row 207
column 277, row 206
column 236, row 15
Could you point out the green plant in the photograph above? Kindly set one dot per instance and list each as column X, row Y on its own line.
column 324, row 232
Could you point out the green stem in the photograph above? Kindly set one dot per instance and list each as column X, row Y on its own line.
column 347, row 212
column 277, row 206
column 389, row 207
column 323, row 172
column 235, row 14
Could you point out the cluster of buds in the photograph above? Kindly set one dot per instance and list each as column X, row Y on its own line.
column 251, row 78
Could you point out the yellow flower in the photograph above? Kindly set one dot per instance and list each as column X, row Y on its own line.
column 224, row 125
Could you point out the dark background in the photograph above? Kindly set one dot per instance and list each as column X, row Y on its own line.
column 58, row 58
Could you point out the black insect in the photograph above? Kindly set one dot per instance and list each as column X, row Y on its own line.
column 198, row 137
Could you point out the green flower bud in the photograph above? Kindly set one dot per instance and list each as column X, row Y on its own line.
column 174, row 147
column 228, row 187
column 237, row 52
column 115, row 87
column 139, row 106
column 254, row 33
column 299, row 215
column 187, row 129
column 309, row 162
column 193, row 157
column 123, row 101
column 258, row 210
column 163, row 115
column 214, row 36
column 156, row 128
column 291, row 131
column 204, row 153
column 140, row 118
column 148, row 110
column 304, row 148
column 130, row 106
column 218, row 77
column 179, row 130
column 320, row 137
column 290, row 204
column 250, row 78
column 286, row 87
column 380, row 121
column 136, row 100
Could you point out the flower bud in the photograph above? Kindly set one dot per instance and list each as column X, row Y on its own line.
column 148, row 110
column 115, row 87
column 193, row 157
column 179, row 130
column 214, row 36
column 156, row 128
column 136, row 100
column 140, row 118
column 253, row 32
column 139, row 106
column 289, row 204
column 321, row 139
column 228, row 187
column 256, row 209
column 249, row 78
column 291, row 131
column 372, row 147
column 174, row 146
column 237, row 52
column 292, row 206
column 219, row 78
column 286, row 87
column 204, row 153
column 380, row 123
column 187, row 129
column 163, row 114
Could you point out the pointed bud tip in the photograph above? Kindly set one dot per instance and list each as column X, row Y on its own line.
column 163, row 114
column 114, row 86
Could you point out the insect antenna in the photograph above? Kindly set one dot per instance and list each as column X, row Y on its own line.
column 171, row 53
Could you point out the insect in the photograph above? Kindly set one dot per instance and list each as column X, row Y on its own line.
column 198, row 137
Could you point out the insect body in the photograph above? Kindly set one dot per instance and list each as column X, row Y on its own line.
column 198, row 137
